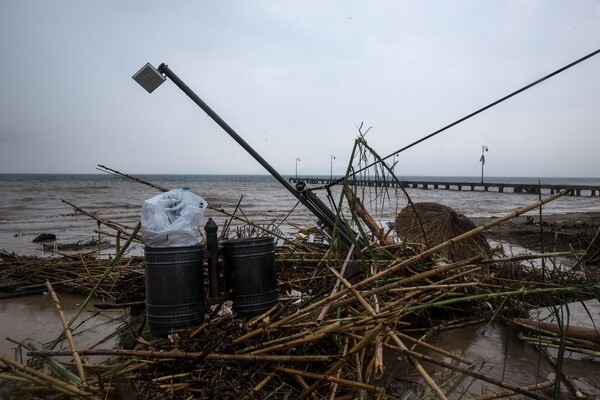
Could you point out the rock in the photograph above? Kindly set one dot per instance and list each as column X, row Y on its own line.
column 44, row 237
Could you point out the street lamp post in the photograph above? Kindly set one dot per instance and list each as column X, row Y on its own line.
column 331, row 168
column 151, row 78
column 484, row 148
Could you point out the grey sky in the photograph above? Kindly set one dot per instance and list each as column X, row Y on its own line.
column 295, row 79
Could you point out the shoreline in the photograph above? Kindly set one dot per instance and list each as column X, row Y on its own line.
column 556, row 232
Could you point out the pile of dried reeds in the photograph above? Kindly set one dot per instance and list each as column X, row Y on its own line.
column 74, row 274
column 430, row 224
column 332, row 347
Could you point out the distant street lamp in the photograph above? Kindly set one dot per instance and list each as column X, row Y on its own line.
column 482, row 159
column 331, row 168
column 297, row 159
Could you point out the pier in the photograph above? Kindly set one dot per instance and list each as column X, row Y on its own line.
column 530, row 188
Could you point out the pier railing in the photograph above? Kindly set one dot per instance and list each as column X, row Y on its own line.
column 531, row 188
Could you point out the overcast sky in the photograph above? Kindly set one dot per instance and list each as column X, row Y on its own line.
column 295, row 79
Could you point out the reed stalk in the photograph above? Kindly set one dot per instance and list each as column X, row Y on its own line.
column 334, row 386
column 47, row 379
column 329, row 378
column 336, row 285
column 552, row 344
column 508, row 393
column 68, row 333
column 184, row 355
column 309, row 337
column 368, row 338
column 572, row 385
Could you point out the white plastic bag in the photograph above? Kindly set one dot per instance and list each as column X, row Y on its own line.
column 172, row 219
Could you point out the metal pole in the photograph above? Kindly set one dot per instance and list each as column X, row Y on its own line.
column 331, row 168
column 212, row 248
column 481, row 172
column 319, row 209
column 482, row 159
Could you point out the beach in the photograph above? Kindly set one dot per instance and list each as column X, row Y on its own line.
column 556, row 232
column 566, row 224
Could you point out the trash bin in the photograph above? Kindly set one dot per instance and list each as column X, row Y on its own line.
column 174, row 288
column 250, row 274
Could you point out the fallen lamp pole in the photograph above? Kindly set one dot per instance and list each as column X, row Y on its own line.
column 150, row 78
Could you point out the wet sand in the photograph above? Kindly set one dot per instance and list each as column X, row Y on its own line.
column 34, row 319
column 556, row 232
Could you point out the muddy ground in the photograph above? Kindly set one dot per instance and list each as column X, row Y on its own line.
column 560, row 232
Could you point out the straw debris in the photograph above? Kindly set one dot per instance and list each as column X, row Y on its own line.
column 332, row 333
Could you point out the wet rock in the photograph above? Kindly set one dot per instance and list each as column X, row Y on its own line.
column 44, row 237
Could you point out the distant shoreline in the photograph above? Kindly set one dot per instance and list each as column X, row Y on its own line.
column 465, row 178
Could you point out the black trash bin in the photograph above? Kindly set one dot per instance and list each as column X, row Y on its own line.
column 250, row 274
column 174, row 288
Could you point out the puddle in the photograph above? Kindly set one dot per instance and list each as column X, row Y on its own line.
column 35, row 319
column 498, row 353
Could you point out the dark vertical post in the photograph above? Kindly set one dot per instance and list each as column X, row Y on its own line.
column 212, row 248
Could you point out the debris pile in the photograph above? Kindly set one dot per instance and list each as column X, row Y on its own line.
column 341, row 312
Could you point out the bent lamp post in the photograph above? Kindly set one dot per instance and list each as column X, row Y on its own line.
column 150, row 78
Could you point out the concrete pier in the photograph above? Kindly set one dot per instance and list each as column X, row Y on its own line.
column 531, row 188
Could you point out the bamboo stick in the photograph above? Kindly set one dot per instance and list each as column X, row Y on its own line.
column 525, row 257
column 48, row 379
column 167, row 377
column 508, row 393
column 336, row 285
column 110, row 224
column 334, row 386
column 68, row 334
column 548, row 343
column 569, row 331
column 309, row 337
column 183, row 355
column 262, row 383
column 368, row 338
column 357, row 205
column 434, row 348
column 328, row 378
column 304, row 385
column 396, row 339
column 567, row 378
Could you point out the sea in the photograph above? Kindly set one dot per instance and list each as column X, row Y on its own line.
column 34, row 204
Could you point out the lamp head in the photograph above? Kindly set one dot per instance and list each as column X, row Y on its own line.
column 149, row 77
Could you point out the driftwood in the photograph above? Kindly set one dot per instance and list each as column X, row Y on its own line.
column 360, row 210
column 569, row 331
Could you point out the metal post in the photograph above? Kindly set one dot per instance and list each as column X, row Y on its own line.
column 482, row 160
column 297, row 159
column 331, row 168
column 212, row 249
column 323, row 213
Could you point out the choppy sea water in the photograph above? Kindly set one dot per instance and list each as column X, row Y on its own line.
column 33, row 204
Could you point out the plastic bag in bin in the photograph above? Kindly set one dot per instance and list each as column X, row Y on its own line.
column 172, row 219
